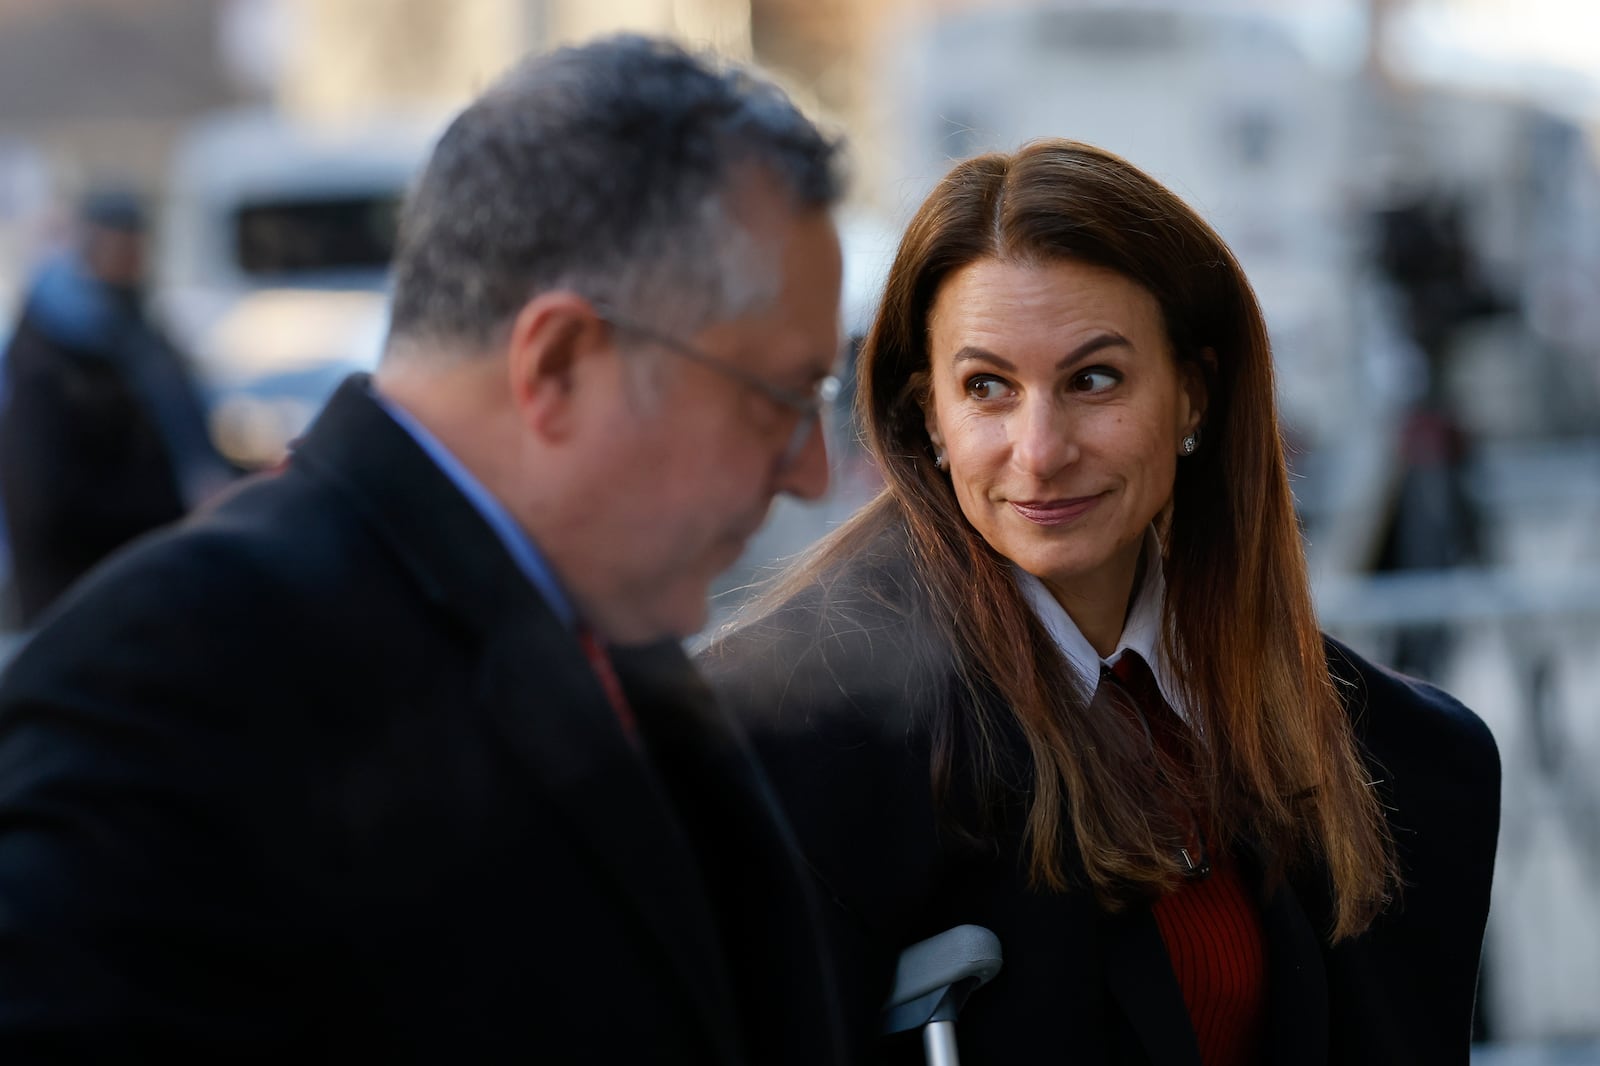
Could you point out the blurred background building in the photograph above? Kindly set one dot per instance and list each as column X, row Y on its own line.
column 1413, row 185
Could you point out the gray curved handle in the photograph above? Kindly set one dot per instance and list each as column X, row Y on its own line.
column 958, row 954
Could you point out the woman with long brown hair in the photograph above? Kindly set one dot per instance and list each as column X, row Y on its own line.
column 1063, row 676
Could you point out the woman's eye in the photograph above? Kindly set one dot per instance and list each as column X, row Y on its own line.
column 1095, row 379
column 984, row 387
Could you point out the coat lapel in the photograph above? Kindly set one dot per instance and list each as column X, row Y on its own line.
column 1141, row 981
column 765, row 909
column 1297, row 998
column 607, row 790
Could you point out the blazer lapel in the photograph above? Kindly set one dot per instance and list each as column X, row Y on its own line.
column 1297, row 999
column 1320, row 983
column 1139, row 976
column 1141, row 980
column 766, row 910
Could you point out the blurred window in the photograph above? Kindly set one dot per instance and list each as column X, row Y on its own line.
column 355, row 232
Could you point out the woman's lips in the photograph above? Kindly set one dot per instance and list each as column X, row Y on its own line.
column 1054, row 512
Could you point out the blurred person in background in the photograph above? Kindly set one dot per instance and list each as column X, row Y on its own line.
column 1063, row 677
column 1432, row 522
column 103, row 435
column 395, row 756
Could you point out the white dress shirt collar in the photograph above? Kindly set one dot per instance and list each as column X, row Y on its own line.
column 1140, row 633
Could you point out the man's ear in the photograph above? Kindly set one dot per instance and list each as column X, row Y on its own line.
column 549, row 359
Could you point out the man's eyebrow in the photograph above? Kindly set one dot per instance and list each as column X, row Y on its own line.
column 1099, row 342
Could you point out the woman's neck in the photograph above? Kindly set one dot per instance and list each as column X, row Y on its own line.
column 1099, row 604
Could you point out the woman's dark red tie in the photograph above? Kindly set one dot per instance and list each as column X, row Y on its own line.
column 1211, row 923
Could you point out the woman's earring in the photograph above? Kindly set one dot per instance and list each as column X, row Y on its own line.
column 940, row 461
column 1191, row 442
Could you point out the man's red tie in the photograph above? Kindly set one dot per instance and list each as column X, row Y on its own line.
column 609, row 682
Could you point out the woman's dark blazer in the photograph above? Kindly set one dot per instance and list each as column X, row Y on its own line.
column 835, row 689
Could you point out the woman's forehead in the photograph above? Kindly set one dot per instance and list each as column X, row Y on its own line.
column 1006, row 300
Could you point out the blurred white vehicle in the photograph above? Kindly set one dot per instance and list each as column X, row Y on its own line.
column 272, row 264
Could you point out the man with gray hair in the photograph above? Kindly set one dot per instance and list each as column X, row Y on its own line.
column 395, row 756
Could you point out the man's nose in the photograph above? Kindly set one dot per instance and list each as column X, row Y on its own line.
column 805, row 474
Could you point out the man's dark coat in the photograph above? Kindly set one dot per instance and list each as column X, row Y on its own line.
column 320, row 777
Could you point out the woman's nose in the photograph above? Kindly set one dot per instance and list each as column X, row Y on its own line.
column 1041, row 440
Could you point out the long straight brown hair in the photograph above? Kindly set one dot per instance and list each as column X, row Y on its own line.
column 1279, row 766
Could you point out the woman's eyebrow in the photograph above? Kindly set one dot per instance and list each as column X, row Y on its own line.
column 1099, row 342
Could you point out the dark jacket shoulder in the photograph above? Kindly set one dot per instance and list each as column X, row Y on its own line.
column 844, row 652
column 1437, row 769
column 836, row 689
column 1434, row 760
column 1391, row 710
column 842, row 671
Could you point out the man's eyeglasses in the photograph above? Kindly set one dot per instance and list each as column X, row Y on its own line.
column 808, row 406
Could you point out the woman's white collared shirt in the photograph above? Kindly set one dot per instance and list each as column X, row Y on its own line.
column 1141, row 632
